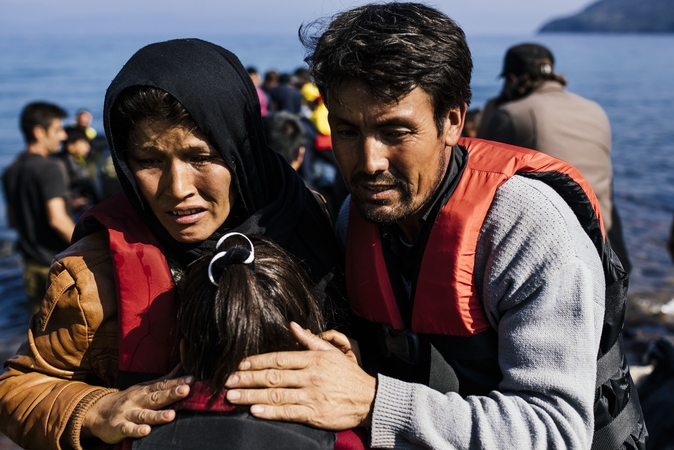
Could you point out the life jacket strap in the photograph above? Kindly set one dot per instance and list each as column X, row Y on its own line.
column 613, row 435
column 403, row 344
column 610, row 362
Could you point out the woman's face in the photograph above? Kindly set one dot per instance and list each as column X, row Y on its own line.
column 183, row 179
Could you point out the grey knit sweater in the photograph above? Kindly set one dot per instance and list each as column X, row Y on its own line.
column 541, row 283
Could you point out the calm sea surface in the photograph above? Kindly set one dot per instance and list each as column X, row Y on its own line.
column 631, row 76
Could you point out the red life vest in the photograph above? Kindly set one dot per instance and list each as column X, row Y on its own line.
column 145, row 294
column 199, row 400
column 446, row 311
column 445, row 301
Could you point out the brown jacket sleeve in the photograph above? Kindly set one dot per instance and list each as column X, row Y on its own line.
column 70, row 353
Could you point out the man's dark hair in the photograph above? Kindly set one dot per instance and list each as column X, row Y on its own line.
column 39, row 114
column 149, row 105
column 530, row 65
column 247, row 313
column 251, row 70
column 285, row 134
column 392, row 48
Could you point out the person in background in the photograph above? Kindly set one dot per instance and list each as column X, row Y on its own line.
column 535, row 111
column 83, row 120
column 102, row 169
column 302, row 76
column 326, row 177
column 261, row 95
column 285, row 135
column 270, row 80
column 318, row 116
column 36, row 193
column 487, row 320
column 72, row 160
column 98, row 364
column 471, row 124
column 285, row 96
column 242, row 299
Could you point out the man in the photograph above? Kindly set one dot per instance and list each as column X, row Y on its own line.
column 35, row 192
column 83, row 120
column 474, row 267
column 535, row 111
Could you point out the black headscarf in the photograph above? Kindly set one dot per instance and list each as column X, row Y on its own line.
column 217, row 92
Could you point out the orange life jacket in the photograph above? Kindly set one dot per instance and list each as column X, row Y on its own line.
column 446, row 310
column 145, row 294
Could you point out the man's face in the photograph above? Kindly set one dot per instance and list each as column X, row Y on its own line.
column 391, row 155
column 183, row 178
column 52, row 137
column 84, row 119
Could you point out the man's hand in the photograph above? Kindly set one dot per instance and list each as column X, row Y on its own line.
column 323, row 386
column 129, row 413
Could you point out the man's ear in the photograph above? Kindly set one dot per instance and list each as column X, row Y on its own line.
column 454, row 124
column 39, row 133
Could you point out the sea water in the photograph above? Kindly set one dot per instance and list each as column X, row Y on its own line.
column 630, row 76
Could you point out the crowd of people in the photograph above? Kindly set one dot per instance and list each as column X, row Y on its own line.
column 400, row 272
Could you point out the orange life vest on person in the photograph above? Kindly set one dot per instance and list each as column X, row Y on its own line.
column 445, row 301
column 145, row 294
column 446, row 310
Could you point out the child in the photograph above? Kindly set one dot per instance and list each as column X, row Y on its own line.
column 239, row 301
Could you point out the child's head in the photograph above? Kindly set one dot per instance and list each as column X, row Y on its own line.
column 238, row 301
column 77, row 143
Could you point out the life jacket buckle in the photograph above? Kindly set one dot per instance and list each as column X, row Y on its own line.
column 404, row 344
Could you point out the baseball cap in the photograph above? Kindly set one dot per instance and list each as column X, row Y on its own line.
column 528, row 58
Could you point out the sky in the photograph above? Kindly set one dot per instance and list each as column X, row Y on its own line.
column 82, row 17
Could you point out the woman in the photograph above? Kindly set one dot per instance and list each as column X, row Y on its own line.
column 183, row 124
column 239, row 301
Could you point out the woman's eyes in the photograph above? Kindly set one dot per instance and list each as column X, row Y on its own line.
column 195, row 160
column 148, row 162
column 202, row 159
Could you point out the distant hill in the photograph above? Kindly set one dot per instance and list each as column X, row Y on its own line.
column 618, row 16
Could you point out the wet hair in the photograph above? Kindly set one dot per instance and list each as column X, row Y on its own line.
column 38, row 114
column 392, row 48
column 247, row 313
column 285, row 134
column 148, row 105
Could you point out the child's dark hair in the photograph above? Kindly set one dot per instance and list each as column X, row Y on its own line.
column 247, row 313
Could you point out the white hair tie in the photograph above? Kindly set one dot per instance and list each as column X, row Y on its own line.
column 248, row 260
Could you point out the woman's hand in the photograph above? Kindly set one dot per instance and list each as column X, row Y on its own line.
column 129, row 413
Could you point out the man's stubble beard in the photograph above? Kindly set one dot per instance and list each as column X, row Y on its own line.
column 405, row 208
